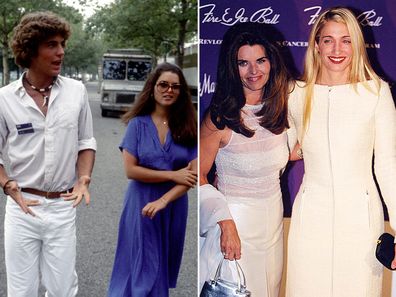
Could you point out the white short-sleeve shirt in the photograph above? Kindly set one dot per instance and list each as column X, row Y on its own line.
column 43, row 150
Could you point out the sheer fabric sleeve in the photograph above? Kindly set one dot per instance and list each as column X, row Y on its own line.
column 213, row 208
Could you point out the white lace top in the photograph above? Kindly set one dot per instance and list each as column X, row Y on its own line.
column 250, row 167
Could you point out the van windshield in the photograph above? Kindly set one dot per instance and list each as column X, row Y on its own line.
column 114, row 69
column 138, row 70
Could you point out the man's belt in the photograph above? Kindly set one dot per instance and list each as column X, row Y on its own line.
column 48, row 195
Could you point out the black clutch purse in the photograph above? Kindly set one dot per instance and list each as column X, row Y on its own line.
column 385, row 251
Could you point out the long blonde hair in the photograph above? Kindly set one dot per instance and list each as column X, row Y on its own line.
column 361, row 70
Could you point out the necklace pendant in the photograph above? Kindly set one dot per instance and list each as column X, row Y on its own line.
column 45, row 103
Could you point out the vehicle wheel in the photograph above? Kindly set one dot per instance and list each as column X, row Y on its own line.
column 104, row 113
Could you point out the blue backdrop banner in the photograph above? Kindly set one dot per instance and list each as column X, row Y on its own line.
column 293, row 19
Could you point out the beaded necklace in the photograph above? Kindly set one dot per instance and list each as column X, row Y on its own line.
column 42, row 91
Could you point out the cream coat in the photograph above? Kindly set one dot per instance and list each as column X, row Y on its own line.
column 337, row 215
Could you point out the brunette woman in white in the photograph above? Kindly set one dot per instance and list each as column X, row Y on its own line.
column 244, row 133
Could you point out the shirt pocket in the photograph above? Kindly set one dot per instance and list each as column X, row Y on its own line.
column 68, row 117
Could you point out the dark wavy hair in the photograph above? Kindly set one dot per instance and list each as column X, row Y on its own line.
column 228, row 98
column 33, row 29
column 182, row 114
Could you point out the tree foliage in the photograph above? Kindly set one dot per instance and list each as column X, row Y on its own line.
column 81, row 52
column 10, row 13
column 159, row 27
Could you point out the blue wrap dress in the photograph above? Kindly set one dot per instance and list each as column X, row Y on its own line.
column 149, row 251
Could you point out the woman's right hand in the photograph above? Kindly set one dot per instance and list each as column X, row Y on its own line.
column 230, row 244
column 185, row 176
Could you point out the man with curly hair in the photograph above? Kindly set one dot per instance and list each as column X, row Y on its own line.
column 46, row 123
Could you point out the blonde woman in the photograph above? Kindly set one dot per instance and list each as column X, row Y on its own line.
column 344, row 115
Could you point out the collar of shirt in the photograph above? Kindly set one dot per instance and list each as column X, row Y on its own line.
column 20, row 91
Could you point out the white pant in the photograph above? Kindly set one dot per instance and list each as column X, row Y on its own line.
column 45, row 243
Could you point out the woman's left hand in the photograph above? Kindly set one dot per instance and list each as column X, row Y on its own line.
column 296, row 154
column 151, row 208
column 393, row 265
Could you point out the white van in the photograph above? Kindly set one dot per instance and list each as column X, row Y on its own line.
column 122, row 75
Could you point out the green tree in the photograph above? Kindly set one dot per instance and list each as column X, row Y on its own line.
column 82, row 52
column 159, row 27
column 185, row 15
column 11, row 12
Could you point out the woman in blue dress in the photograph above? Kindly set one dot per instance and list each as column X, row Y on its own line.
column 159, row 153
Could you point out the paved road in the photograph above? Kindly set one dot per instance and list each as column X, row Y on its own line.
column 97, row 224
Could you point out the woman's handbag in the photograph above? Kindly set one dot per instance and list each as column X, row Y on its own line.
column 385, row 251
column 218, row 287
